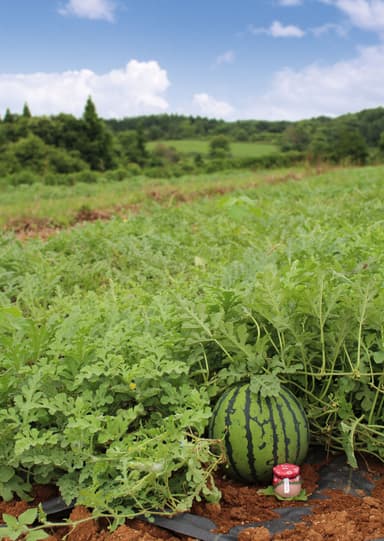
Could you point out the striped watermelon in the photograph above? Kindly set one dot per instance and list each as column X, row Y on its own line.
column 259, row 432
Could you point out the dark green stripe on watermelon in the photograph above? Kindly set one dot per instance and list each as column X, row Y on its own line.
column 274, row 459
column 232, row 405
column 217, row 409
column 281, row 406
column 259, row 432
column 301, row 426
column 250, row 446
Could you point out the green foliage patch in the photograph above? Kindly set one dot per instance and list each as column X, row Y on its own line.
column 65, row 150
column 200, row 146
column 116, row 338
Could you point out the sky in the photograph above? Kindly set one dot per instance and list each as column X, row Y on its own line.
column 229, row 59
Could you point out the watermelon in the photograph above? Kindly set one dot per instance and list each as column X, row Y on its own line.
column 259, row 432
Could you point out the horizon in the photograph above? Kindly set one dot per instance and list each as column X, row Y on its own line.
column 197, row 116
column 281, row 60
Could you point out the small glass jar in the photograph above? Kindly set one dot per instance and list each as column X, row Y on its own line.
column 287, row 480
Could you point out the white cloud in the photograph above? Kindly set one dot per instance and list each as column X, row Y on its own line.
column 226, row 58
column 278, row 30
column 209, row 106
column 339, row 29
column 136, row 89
column 290, row 2
column 366, row 14
column 90, row 9
column 332, row 90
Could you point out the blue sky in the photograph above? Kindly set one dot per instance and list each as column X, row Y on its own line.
column 231, row 59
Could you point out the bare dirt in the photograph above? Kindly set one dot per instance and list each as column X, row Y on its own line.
column 338, row 516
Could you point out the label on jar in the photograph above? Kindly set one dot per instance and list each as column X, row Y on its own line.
column 286, row 485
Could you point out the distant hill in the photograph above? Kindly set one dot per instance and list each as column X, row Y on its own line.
column 369, row 123
column 170, row 127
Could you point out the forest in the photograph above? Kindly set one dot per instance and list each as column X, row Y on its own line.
column 64, row 149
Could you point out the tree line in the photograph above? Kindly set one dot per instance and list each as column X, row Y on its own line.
column 64, row 148
column 354, row 137
column 172, row 126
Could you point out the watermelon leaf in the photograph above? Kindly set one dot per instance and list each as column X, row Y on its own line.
column 265, row 385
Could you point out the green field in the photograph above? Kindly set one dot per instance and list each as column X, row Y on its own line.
column 60, row 204
column 117, row 337
column 238, row 150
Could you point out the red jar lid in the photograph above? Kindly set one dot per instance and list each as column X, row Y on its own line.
column 286, row 471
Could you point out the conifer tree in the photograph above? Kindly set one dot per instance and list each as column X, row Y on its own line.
column 26, row 111
column 96, row 147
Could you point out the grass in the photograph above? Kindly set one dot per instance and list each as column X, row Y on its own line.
column 239, row 150
column 61, row 203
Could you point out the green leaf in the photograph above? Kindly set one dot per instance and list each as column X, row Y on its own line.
column 5, row 492
column 11, row 521
column 379, row 357
column 6, row 473
column 41, row 515
column 10, row 532
column 28, row 517
column 265, row 385
column 36, row 535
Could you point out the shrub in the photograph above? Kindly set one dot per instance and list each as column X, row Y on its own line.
column 24, row 177
column 87, row 176
column 61, row 161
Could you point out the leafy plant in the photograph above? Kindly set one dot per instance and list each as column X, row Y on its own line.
column 116, row 338
column 15, row 528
